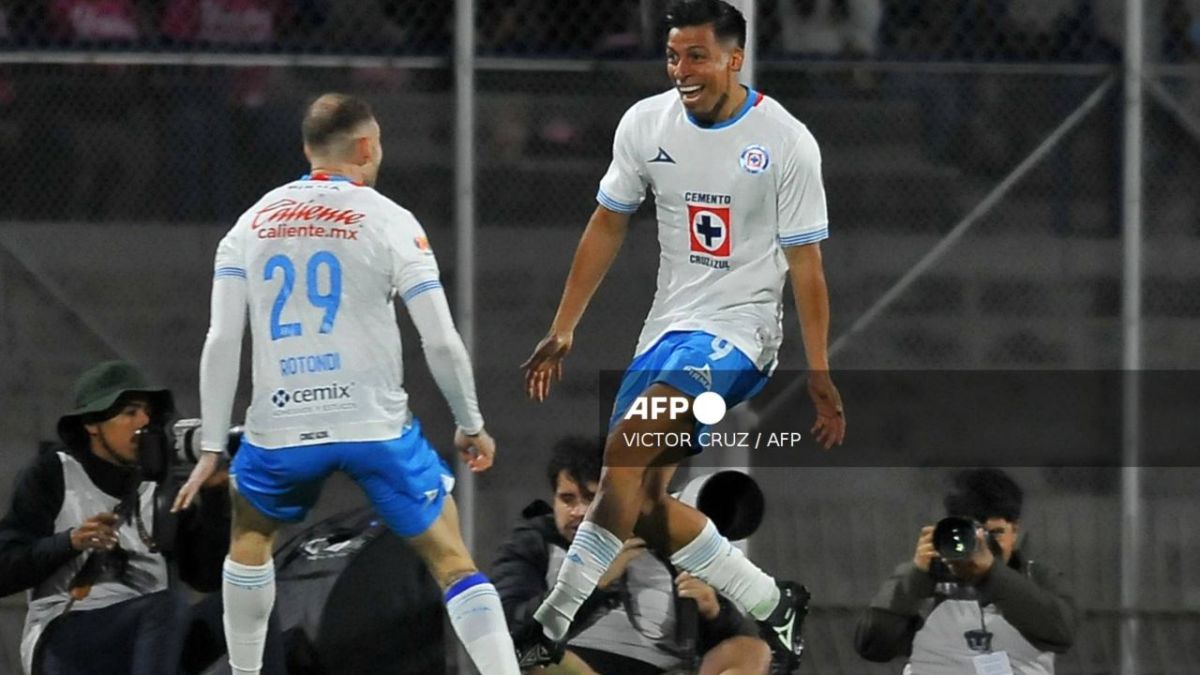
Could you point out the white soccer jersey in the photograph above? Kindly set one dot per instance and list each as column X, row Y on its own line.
column 729, row 198
column 323, row 260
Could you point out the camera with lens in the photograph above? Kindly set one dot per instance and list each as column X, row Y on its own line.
column 166, row 456
column 954, row 540
column 166, row 451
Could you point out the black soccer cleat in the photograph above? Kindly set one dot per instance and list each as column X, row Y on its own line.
column 534, row 649
column 782, row 630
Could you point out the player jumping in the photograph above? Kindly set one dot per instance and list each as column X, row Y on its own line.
column 740, row 205
column 319, row 262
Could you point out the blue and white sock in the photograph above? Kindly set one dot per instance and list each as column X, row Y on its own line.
column 712, row 559
column 249, row 593
column 478, row 618
column 589, row 556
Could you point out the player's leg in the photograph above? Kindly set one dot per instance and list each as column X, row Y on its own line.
column 691, row 538
column 471, row 600
column 738, row 655
column 408, row 484
column 615, row 510
column 695, row 545
column 268, row 488
column 248, row 588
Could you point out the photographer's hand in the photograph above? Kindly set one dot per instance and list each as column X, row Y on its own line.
column 98, row 533
column 925, row 553
column 201, row 473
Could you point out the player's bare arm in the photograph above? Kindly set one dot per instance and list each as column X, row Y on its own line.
column 598, row 248
column 812, row 304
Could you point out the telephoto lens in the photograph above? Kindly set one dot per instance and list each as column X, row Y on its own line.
column 954, row 538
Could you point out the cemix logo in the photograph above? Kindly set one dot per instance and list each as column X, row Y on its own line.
column 329, row 393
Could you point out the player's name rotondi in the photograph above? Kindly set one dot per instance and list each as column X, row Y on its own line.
column 311, row 363
column 753, row 440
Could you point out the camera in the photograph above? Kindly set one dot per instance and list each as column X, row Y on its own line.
column 161, row 448
column 954, row 538
column 165, row 456
column 187, row 441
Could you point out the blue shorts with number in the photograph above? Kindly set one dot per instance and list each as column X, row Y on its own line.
column 404, row 478
column 692, row 362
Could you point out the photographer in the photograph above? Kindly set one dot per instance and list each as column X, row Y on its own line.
column 82, row 537
column 639, row 619
column 993, row 607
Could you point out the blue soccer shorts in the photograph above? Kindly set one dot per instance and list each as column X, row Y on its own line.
column 692, row 362
column 404, row 478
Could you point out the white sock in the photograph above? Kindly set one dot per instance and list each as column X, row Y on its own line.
column 592, row 551
column 249, row 594
column 478, row 618
column 712, row 559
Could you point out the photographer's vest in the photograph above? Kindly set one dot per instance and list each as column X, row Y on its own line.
column 942, row 646
column 146, row 572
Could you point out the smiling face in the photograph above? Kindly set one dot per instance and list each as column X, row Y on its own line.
column 704, row 71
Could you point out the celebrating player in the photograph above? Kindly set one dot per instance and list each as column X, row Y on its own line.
column 318, row 262
column 740, row 205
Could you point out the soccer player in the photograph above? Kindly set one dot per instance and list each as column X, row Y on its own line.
column 740, row 205
column 319, row 262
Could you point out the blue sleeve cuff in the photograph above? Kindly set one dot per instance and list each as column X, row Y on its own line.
column 420, row 288
column 614, row 205
column 229, row 272
column 810, row 237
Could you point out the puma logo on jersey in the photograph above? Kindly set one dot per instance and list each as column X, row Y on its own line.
column 662, row 156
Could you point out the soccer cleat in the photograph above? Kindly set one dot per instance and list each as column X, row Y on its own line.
column 534, row 649
column 782, row 630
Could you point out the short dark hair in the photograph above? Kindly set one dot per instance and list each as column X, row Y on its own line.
column 579, row 456
column 332, row 114
column 983, row 494
column 726, row 20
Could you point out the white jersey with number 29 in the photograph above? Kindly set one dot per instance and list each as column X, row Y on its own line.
column 323, row 259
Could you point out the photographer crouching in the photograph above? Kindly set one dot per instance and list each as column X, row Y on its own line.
column 89, row 535
column 992, row 607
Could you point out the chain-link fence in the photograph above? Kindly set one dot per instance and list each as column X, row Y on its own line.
column 972, row 160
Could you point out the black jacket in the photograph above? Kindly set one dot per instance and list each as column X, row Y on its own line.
column 519, row 574
column 30, row 549
column 1030, row 595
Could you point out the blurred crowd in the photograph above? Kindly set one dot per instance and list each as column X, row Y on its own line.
column 195, row 143
column 977, row 30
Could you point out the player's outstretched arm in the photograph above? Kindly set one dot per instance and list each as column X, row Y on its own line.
column 450, row 365
column 598, row 248
column 220, row 363
column 812, row 303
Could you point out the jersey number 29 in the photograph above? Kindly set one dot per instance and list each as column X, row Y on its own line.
column 328, row 301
